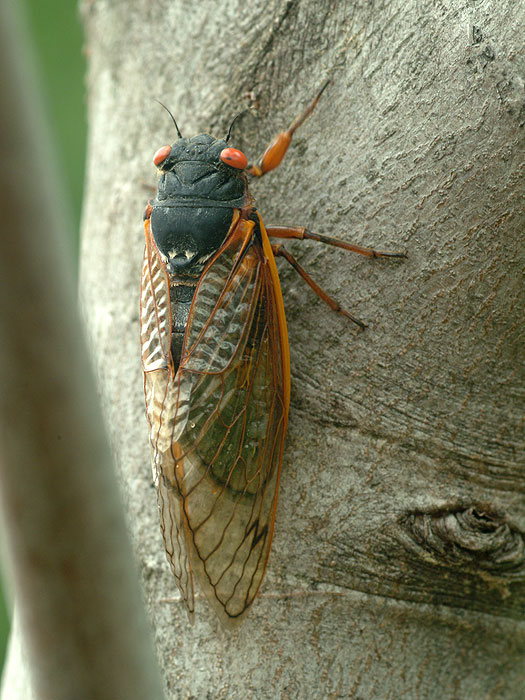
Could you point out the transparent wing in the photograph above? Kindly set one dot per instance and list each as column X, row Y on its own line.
column 161, row 410
column 234, row 387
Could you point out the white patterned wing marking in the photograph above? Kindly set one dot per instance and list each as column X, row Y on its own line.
column 155, row 314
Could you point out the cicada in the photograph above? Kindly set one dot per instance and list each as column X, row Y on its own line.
column 216, row 364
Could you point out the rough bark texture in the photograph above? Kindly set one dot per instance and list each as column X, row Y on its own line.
column 397, row 568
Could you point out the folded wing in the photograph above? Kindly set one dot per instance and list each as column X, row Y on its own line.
column 219, row 426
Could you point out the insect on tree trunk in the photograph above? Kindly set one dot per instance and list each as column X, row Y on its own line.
column 397, row 567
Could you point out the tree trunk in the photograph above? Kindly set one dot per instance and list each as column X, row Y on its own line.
column 398, row 562
column 68, row 557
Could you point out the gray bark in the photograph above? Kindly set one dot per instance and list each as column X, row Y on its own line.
column 397, row 568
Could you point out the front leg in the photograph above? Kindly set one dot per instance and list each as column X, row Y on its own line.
column 275, row 152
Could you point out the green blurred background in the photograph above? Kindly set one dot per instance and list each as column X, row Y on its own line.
column 56, row 39
column 56, row 35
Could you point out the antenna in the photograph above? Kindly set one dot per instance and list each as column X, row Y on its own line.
column 233, row 122
column 172, row 117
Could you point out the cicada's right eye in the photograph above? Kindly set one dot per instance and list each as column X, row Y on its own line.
column 234, row 158
column 161, row 155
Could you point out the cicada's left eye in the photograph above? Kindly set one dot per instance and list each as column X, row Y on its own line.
column 233, row 157
column 161, row 155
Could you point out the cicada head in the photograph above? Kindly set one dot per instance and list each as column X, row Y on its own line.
column 202, row 182
column 196, row 167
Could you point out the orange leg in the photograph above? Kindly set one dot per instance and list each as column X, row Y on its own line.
column 280, row 250
column 302, row 233
column 274, row 153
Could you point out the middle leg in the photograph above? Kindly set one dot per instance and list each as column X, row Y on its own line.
column 302, row 233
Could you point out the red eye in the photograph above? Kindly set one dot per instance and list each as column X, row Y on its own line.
column 233, row 157
column 161, row 154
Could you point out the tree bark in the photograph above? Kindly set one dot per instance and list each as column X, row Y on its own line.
column 398, row 563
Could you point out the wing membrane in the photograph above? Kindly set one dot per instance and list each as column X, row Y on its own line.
column 219, row 478
column 161, row 409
